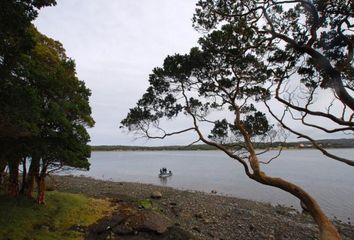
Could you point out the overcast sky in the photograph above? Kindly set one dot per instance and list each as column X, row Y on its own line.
column 116, row 44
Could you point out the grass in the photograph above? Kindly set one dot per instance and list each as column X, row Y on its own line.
column 21, row 219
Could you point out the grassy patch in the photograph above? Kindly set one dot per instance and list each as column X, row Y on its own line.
column 148, row 204
column 21, row 219
column 145, row 203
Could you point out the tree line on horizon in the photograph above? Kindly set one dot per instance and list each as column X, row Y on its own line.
column 262, row 70
column 44, row 107
column 325, row 143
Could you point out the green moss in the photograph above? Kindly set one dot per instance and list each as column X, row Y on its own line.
column 24, row 219
column 145, row 203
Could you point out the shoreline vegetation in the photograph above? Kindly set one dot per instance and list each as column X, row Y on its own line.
column 325, row 143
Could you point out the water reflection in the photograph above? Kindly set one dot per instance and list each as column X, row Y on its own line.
column 164, row 180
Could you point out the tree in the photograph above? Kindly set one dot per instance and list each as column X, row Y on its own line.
column 44, row 108
column 15, row 19
column 309, row 47
column 227, row 74
column 18, row 111
column 53, row 132
column 64, row 112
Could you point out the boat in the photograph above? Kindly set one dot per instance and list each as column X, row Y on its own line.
column 164, row 173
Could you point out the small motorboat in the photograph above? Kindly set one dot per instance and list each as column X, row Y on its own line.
column 164, row 173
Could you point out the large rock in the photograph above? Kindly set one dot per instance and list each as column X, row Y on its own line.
column 131, row 223
column 150, row 221
column 156, row 195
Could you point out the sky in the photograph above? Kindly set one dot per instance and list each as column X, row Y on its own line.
column 116, row 44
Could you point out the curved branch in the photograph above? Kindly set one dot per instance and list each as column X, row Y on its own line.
column 314, row 113
column 167, row 134
column 220, row 147
column 314, row 143
column 323, row 64
column 322, row 128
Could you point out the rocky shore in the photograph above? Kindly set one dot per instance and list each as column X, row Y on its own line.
column 190, row 215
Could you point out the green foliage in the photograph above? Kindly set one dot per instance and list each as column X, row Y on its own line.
column 43, row 106
column 216, row 76
column 312, row 38
column 46, row 108
column 15, row 40
column 23, row 219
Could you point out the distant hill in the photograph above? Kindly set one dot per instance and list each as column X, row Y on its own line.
column 159, row 148
column 326, row 143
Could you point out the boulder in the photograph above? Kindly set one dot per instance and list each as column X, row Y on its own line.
column 150, row 221
column 156, row 195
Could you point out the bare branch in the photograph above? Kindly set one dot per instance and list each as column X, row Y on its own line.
column 169, row 134
column 314, row 143
column 276, row 156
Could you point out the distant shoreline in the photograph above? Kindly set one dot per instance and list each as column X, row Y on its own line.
column 325, row 143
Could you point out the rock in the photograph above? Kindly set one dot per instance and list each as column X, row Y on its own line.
column 149, row 221
column 271, row 237
column 304, row 207
column 45, row 228
column 78, row 228
column 122, row 230
column 177, row 233
column 214, row 192
column 196, row 229
column 156, row 195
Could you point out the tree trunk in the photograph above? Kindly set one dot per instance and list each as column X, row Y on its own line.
column 327, row 230
column 326, row 227
column 24, row 175
column 3, row 165
column 33, row 173
column 13, row 187
column 41, row 189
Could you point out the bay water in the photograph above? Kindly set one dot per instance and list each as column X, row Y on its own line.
column 329, row 181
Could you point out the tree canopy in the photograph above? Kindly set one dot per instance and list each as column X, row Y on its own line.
column 15, row 19
column 255, row 55
column 44, row 107
column 308, row 47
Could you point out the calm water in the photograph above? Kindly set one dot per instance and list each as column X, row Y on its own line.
column 330, row 182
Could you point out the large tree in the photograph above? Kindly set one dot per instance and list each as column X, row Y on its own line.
column 44, row 108
column 233, row 73
column 57, row 111
column 64, row 111
column 18, row 103
column 309, row 47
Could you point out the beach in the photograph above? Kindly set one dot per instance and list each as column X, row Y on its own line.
column 207, row 215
